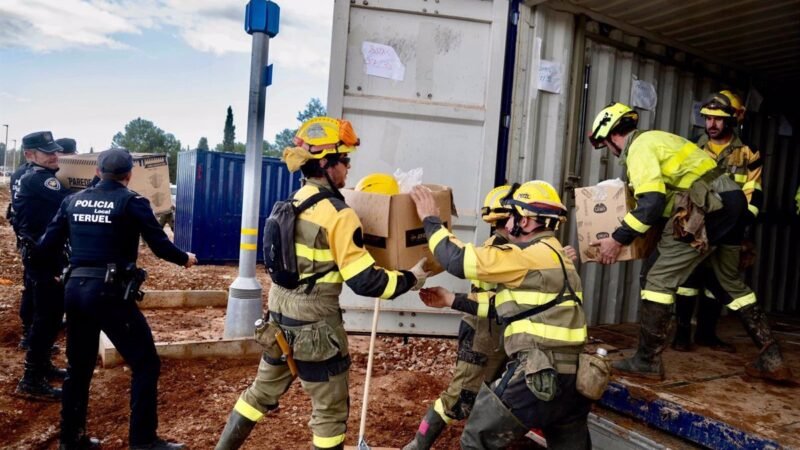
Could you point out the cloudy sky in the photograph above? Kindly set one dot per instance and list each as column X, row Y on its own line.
column 85, row 68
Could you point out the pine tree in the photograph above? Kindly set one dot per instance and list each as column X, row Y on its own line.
column 229, row 139
column 202, row 144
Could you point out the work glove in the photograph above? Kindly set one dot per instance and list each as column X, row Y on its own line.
column 419, row 273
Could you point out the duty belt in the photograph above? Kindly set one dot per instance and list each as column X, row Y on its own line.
column 88, row 272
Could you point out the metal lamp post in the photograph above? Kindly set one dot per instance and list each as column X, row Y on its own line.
column 5, row 152
column 244, row 295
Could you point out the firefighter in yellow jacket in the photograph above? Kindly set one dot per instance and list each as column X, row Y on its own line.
column 538, row 300
column 667, row 170
column 480, row 353
column 723, row 113
column 328, row 242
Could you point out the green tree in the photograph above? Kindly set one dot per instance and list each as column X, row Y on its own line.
column 143, row 136
column 229, row 136
column 202, row 144
column 285, row 138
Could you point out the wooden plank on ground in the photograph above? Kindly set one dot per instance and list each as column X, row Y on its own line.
column 183, row 299
column 224, row 348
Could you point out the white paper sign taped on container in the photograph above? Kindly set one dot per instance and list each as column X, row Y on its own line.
column 550, row 75
column 643, row 95
column 382, row 61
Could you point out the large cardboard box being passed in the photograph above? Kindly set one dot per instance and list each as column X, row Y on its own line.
column 150, row 176
column 393, row 234
column 599, row 211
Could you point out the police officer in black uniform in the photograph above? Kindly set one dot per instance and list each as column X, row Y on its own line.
column 26, row 300
column 103, row 225
column 37, row 200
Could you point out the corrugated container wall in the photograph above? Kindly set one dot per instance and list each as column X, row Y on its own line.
column 209, row 201
column 547, row 140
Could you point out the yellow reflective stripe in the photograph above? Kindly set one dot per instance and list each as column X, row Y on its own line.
column 688, row 292
column 438, row 406
column 250, row 231
column 483, row 297
column 635, row 223
column 483, row 310
column 672, row 164
column 482, row 285
column 655, row 186
column 753, row 209
column 545, row 331
column 327, row 442
column 330, row 277
column 658, row 297
column 246, row 246
column 391, row 285
column 437, row 237
column 313, row 254
column 530, row 298
column 357, row 266
column 709, row 294
column 248, row 411
column 741, row 302
column 740, row 178
column 470, row 262
column 751, row 185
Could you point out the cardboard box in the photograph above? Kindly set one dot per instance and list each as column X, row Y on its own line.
column 150, row 176
column 393, row 234
column 599, row 210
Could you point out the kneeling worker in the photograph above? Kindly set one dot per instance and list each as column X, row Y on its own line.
column 538, row 301
column 329, row 247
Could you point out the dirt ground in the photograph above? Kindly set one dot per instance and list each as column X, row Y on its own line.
column 196, row 396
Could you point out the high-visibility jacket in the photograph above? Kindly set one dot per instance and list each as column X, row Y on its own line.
column 527, row 275
column 744, row 165
column 658, row 165
column 481, row 291
column 329, row 239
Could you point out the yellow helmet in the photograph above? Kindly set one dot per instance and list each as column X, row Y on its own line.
column 493, row 208
column 378, row 183
column 323, row 136
column 723, row 104
column 538, row 199
column 607, row 119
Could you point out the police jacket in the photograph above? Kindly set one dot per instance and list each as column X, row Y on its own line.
column 329, row 239
column 527, row 275
column 104, row 224
column 16, row 177
column 37, row 200
column 658, row 165
column 744, row 165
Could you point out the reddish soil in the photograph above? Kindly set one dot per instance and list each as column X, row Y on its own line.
column 196, row 396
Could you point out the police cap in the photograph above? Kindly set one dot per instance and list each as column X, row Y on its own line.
column 41, row 141
column 68, row 145
column 115, row 160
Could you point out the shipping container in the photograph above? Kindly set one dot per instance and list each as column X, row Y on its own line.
column 479, row 93
column 208, row 211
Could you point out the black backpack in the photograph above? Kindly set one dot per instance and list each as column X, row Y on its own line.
column 280, row 259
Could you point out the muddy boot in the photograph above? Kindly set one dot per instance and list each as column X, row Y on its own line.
column 769, row 365
column 708, row 312
column 51, row 372
column 236, row 431
column 159, row 444
column 429, row 430
column 684, row 307
column 34, row 386
column 82, row 443
column 653, row 334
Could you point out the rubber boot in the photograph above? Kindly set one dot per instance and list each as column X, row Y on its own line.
column 708, row 312
column 491, row 424
column 653, row 334
column 429, row 430
column 159, row 444
column 236, row 431
column 51, row 372
column 769, row 365
column 684, row 308
column 34, row 385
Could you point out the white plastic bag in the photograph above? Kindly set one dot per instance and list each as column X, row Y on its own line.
column 407, row 180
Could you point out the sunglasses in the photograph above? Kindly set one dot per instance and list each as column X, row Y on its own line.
column 344, row 160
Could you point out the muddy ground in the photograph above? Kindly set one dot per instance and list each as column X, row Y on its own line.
column 196, row 396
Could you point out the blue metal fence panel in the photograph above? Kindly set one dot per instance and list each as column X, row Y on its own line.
column 208, row 212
